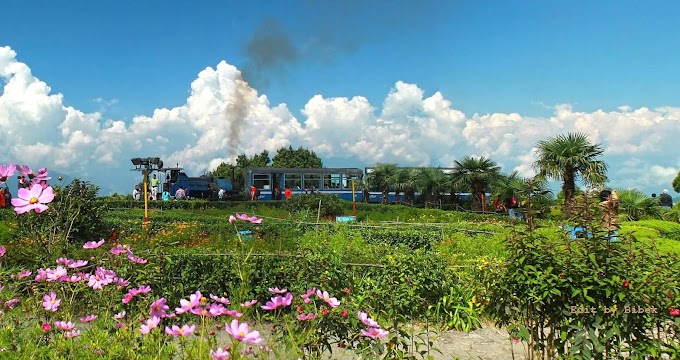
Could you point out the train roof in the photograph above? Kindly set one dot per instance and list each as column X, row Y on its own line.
column 169, row 169
column 445, row 170
column 270, row 170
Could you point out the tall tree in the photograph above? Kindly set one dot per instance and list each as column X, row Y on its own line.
column 431, row 182
column 287, row 157
column 383, row 177
column 569, row 158
column 475, row 174
column 243, row 161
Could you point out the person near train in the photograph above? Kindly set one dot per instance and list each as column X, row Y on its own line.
column 288, row 193
column 154, row 187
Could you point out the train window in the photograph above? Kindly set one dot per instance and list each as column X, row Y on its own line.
column 347, row 181
column 312, row 181
column 331, row 181
column 262, row 181
column 293, row 181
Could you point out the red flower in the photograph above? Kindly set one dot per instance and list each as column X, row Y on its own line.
column 46, row 327
column 344, row 313
column 300, row 310
column 674, row 312
column 626, row 283
column 347, row 291
column 324, row 312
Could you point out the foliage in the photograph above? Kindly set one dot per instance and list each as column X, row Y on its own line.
column 573, row 297
column 75, row 215
column 475, row 174
column 676, row 183
column 323, row 204
column 637, row 205
column 287, row 157
column 410, row 238
column 569, row 158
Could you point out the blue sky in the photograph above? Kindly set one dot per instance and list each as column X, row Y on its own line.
column 485, row 57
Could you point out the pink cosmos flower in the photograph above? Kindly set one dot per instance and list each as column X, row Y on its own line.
column 119, row 325
column 3, row 250
column 76, row 264
column 305, row 317
column 121, row 249
column 127, row 298
column 278, row 301
column 137, row 260
column 374, row 333
column 232, row 313
column 101, row 278
column 211, row 310
column 331, row 301
column 24, row 274
column 159, row 308
column 6, row 172
column 41, row 177
column 219, row 354
column 241, row 332
column 149, row 325
column 249, row 303
column 276, row 290
column 72, row 333
column 12, row 303
column 50, row 302
column 34, row 198
column 140, row 290
column 88, row 318
column 46, row 327
column 367, row 320
column 56, row 274
column 232, row 218
column 306, row 295
column 187, row 305
column 120, row 315
column 93, row 244
column 221, row 300
column 26, row 171
column 63, row 325
column 63, row 261
column 250, row 219
column 74, row 279
column 180, row 331
column 41, row 275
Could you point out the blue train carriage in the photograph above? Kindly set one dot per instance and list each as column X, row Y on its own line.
column 336, row 181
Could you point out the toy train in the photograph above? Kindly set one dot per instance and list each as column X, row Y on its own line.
column 271, row 183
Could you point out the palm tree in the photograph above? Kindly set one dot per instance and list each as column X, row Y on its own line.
column 383, row 177
column 635, row 205
column 475, row 174
column 536, row 189
column 431, row 182
column 568, row 158
column 405, row 180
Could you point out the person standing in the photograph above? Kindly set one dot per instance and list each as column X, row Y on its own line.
column 666, row 200
column 154, row 187
column 288, row 193
column 253, row 189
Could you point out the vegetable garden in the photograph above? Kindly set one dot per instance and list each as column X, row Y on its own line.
column 87, row 278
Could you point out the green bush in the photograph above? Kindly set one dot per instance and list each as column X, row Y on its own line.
column 323, row 204
column 559, row 294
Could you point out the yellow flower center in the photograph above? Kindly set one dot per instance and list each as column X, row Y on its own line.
column 326, row 298
column 33, row 200
column 204, row 312
column 242, row 334
column 181, row 331
column 53, row 301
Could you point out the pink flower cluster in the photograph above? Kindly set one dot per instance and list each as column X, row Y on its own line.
column 374, row 331
column 251, row 219
column 125, row 249
column 34, row 197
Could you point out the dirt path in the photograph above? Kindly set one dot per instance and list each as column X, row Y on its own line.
column 485, row 343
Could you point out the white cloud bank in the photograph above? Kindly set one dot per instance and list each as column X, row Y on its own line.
column 411, row 128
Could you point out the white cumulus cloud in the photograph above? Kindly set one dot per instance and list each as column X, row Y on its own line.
column 409, row 128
